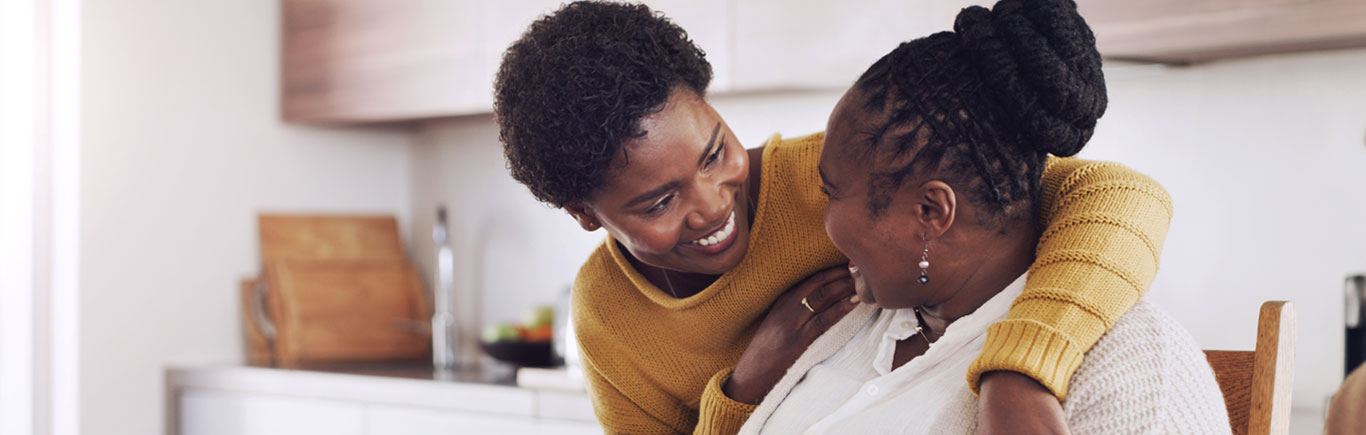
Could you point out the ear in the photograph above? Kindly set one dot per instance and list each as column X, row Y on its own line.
column 936, row 208
column 587, row 219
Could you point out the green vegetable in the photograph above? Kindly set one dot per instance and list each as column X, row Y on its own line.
column 497, row 333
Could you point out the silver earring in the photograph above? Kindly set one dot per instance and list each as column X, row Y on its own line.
column 925, row 262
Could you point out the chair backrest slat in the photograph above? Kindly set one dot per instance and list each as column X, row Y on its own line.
column 1273, row 372
column 1233, row 370
column 1257, row 384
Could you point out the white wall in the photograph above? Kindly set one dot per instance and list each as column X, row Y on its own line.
column 508, row 247
column 1265, row 161
column 1264, row 158
column 182, row 147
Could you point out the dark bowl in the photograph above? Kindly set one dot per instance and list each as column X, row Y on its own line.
column 522, row 353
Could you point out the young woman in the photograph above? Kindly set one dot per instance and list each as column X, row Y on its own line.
column 932, row 163
column 717, row 273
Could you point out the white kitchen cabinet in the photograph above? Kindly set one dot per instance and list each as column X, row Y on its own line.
column 235, row 400
column 805, row 44
column 709, row 24
column 208, row 412
column 391, row 420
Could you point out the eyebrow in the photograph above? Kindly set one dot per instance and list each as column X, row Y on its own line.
column 711, row 145
column 647, row 196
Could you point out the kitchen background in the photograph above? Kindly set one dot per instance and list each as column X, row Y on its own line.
column 181, row 144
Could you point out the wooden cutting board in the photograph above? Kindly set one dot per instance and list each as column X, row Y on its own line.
column 346, row 311
column 320, row 237
column 338, row 289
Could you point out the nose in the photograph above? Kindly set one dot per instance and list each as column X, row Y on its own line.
column 712, row 205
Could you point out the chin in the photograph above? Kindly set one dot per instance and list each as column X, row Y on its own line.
column 895, row 301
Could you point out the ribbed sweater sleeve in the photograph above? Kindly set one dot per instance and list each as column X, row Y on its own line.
column 1098, row 253
column 718, row 414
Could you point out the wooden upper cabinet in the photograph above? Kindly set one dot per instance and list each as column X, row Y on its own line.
column 355, row 61
column 351, row 61
column 348, row 61
column 365, row 60
column 1181, row 31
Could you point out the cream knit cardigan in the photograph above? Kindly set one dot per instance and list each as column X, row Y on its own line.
column 1146, row 375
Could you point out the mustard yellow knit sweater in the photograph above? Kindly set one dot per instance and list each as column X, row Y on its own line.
column 655, row 364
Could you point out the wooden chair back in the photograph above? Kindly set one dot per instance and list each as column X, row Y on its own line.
column 1256, row 384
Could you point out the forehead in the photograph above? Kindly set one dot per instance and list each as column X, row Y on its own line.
column 668, row 151
column 862, row 138
column 847, row 138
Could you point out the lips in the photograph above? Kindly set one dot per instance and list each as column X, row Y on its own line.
column 719, row 235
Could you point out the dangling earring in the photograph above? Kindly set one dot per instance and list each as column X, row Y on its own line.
column 925, row 262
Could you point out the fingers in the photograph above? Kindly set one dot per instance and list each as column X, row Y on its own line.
column 828, row 317
column 814, row 282
column 830, row 293
column 823, row 277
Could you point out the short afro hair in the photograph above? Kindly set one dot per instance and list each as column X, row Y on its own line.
column 575, row 87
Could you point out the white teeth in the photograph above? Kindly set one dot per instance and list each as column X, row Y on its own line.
column 720, row 235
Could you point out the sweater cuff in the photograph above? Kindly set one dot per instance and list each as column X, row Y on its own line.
column 1030, row 348
column 718, row 414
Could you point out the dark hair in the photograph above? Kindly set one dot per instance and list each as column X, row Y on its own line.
column 575, row 87
column 986, row 103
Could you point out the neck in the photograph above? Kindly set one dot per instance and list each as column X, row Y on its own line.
column 684, row 284
column 672, row 282
column 1003, row 260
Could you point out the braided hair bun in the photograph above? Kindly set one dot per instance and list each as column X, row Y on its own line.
column 984, row 105
column 1039, row 60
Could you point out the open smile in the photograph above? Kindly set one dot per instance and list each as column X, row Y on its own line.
column 717, row 241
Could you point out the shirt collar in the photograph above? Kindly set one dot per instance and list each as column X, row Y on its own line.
column 902, row 324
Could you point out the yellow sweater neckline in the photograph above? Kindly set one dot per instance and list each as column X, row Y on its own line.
column 660, row 296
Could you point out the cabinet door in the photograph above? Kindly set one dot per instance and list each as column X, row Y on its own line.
column 819, row 44
column 205, row 412
column 364, row 60
column 1198, row 30
column 709, row 24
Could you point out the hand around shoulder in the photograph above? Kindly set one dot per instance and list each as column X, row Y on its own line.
column 1012, row 403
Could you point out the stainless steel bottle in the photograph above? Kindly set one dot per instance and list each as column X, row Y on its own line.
column 443, row 320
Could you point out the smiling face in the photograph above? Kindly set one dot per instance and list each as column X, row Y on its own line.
column 677, row 199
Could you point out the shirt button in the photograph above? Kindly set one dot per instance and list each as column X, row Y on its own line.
column 872, row 390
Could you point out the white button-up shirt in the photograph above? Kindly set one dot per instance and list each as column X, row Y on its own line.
column 856, row 390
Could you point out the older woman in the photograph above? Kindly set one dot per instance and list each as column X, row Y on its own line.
column 933, row 163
